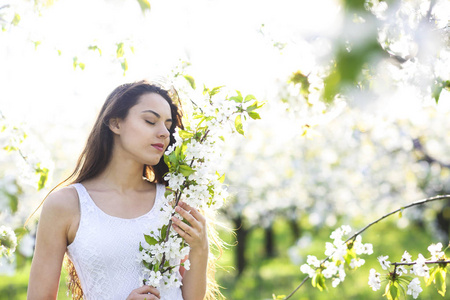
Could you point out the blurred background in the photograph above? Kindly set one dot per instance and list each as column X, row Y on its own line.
column 356, row 121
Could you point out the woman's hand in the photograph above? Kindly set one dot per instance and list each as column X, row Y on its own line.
column 195, row 234
column 144, row 293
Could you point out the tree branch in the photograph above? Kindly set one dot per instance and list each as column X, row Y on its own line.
column 353, row 237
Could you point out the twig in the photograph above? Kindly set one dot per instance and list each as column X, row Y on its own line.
column 353, row 237
column 177, row 197
column 427, row 262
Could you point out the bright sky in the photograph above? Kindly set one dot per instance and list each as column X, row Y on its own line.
column 220, row 38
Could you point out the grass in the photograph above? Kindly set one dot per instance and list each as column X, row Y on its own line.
column 278, row 275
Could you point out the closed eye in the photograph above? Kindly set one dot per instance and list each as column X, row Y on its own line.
column 150, row 122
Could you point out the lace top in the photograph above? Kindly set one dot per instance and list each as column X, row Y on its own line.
column 105, row 250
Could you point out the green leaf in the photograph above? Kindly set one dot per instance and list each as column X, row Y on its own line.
column 16, row 19
column 432, row 276
column 191, row 80
column 249, row 98
column 163, row 232
column 321, row 282
column 215, row 90
column 36, row 44
column 186, row 170
column 299, row 78
column 393, row 291
column 237, row 98
column 42, row 178
column 20, row 232
column 120, row 51
column 440, row 281
column 386, row 291
column 124, row 65
column 318, row 281
column 95, row 48
column 254, row 106
column 185, row 134
column 76, row 63
column 238, row 124
column 145, row 5
column 348, row 67
column 13, row 202
column 10, row 148
column 167, row 161
column 221, row 178
column 254, row 115
column 150, row 240
column 437, row 88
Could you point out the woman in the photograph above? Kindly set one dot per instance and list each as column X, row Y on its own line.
column 100, row 218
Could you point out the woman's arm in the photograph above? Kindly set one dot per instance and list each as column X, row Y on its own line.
column 194, row 279
column 59, row 213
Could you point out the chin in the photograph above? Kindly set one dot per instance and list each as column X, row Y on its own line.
column 153, row 161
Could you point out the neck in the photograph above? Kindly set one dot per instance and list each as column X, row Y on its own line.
column 123, row 174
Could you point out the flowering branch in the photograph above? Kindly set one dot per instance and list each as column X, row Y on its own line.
column 314, row 273
column 193, row 179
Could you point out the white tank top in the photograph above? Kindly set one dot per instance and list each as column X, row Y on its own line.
column 105, row 250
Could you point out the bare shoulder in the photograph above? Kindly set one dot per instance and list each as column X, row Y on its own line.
column 63, row 201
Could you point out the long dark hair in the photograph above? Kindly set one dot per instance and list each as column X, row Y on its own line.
column 97, row 154
column 97, row 151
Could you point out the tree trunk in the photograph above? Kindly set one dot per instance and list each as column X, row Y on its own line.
column 241, row 237
column 270, row 249
column 295, row 229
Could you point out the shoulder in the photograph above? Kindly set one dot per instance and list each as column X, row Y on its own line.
column 62, row 202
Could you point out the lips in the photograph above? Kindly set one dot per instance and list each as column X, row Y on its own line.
column 159, row 147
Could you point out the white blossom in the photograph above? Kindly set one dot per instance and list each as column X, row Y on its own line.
column 330, row 269
column 400, row 270
column 420, row 268
column 8, row 241
column 385, row 264
column 187, row 264
column 335, row 282
column 374, row 280
column 313, row 261
column 306, row 269
column 356, row 263
column 406, row 257
column 414, row 288
column 436, row 251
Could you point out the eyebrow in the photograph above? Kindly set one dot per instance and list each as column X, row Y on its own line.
column 156, row 114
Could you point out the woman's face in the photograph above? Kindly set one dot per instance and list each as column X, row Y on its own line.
column 144, row 133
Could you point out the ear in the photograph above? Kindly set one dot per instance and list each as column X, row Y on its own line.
column 114, row 125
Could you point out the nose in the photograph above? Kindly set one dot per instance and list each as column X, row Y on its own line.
column 163, row 132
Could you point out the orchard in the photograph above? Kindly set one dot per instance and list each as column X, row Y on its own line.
column 329, row 129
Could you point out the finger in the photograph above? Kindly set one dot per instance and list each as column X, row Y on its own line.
column 147, row 297
column 194, row 212
column 183, row 226
column 147, row 289
column 187, row 216
column 154, row 291
column 182, row 233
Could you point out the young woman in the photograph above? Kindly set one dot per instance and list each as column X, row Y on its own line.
column 111, row 200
